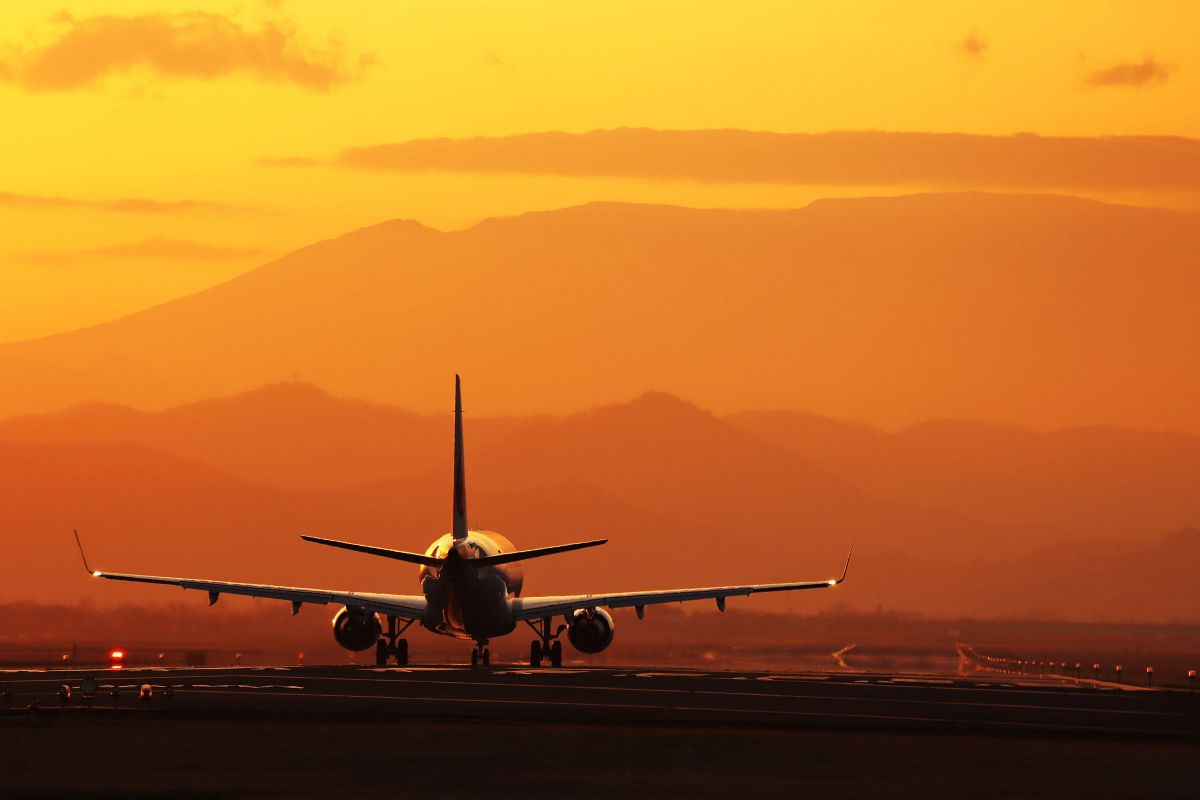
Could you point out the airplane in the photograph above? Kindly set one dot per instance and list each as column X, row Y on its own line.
column 471, row 584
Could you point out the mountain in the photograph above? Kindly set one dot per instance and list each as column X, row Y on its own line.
column 1095, row 579
column 287, row 435
column 684, row 497
column 1038, row 487
column 140, row 510
column 962, row 487
column 1036, row 310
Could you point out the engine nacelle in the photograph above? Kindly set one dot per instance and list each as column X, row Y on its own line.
column 356, row 628
column 590, row 630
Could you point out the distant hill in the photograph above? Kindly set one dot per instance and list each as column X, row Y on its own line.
column 1005, row 486
column 289, row 435
column 682, row 495
column 1041, row 311
column 1093, row 579
column 1080, row 483
column 144, row 511
column 948, row 517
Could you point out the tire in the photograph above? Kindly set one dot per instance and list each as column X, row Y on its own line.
column 535, row 653
column 402, row 652
column 381, row 653
column 475, row 657
column 556, row 654
column 487, row 656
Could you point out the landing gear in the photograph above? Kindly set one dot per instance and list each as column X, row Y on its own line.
column 481, row 653
column 401, row 652
column 392, row 645
column 547, row 646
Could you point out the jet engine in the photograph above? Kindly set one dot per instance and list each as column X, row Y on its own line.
column 356, row 628
column 591, row 630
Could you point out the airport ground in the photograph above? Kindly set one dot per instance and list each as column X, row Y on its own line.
column 595, row 732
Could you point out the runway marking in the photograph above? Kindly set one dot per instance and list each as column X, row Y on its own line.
column 837, row 654
column 251, row 690
column 762, row 695
column 189, row 685
column 1043, row 688
column 942, row 686
column 718, row 710
column 672, row 675
column 240, row 686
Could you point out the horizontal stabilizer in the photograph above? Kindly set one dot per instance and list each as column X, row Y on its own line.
column 537, row 552
column 399, row 555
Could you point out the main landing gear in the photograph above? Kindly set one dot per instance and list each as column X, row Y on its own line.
column 546, row 646
column 392, row 645
column 481, row 654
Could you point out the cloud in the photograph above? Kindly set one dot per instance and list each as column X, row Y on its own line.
column 155, row 248
column 289, row 161
column 974, row 45
column 1143, row 73
column 193, row 44
column 140, row 205
column 180, row 249
column 131, row 205
column 870, row 158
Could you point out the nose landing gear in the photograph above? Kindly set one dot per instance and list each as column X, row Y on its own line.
column 481, row 653
column 392, row 645
column 547, row 646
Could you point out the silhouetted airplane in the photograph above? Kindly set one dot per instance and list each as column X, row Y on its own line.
column 471, row 587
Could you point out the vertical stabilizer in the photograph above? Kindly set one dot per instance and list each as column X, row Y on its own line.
column 460, row 472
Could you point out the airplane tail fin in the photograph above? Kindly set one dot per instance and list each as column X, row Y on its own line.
column 460, row 475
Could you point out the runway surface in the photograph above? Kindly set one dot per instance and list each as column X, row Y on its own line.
column 451, row 732
column 664, row 696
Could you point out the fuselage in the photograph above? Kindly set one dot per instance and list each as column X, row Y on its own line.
column 470, row 602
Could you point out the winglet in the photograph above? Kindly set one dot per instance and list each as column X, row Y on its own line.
column 846, row 569
column 94, row 572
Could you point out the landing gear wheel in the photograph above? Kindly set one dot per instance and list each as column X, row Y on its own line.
column 381, row 653
column 475, row 657
column 402, row 652
column 535, row 653
column 487, row 656
column 556, row 654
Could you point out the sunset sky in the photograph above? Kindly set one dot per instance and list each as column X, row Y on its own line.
column 149, row 152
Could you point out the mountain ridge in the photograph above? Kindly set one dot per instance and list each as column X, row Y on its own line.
column 816, row 304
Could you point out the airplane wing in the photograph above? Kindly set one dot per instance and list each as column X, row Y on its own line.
column 535, row 607
column 397, row 605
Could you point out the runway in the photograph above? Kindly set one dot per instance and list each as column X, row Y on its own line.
column 452, row 732
column 1057, row 706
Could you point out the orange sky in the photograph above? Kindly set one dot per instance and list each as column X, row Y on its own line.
column 139, row 140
